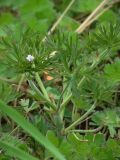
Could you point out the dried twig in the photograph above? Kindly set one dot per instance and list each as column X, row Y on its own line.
column 59, row 19
column 82, row 27
column 101, row 13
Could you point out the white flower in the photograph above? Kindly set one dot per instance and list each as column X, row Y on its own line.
column 30, row 58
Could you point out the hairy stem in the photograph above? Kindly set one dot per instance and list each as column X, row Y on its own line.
column 40, row 83
column 88, row 131
column 69, row 97
column 40, row 95
column 94, row 64
column 81, row 118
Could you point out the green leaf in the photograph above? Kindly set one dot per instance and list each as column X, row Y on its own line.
column 38, row 14
column 99, row 139
column 107, row 36
column 6, row 19
column 114, row 147
column 112, row 130
column 85, row 5
column 39, row 94
column 112, row 72
column 108, row 17
column 80, row 149
column 15, row 151
column 69, row 23
column 7, row 92
column 52, row 138
column 12, row 3
column 29, row 128
column 54, row 92
column 108, row 117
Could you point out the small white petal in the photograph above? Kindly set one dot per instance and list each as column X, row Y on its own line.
column 53, row 53
column 30, row 58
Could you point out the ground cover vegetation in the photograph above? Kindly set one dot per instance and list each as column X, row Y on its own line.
column 59, row 80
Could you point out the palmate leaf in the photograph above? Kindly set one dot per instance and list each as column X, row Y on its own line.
column 29, row 128
column 114, row 147
column 112, row 72
column 97, row 87
column 15, row 151
column 7, row 92
column 107, row 36
column 108, row 118
column 108, row 16
column 38, row 14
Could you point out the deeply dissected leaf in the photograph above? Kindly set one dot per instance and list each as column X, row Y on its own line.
column 112, row 72
column 109, row 118
column 8, row 93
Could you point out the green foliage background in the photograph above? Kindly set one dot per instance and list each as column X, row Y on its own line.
column 24, row 19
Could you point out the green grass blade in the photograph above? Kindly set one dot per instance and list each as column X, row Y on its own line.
column 29, row 128
column 16, row 152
